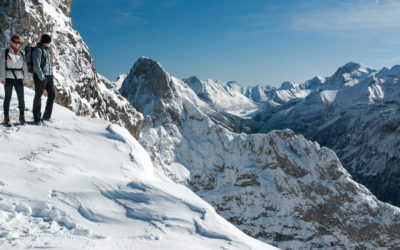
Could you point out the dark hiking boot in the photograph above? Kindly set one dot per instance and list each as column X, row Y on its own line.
column 46, row 117
column 7, row 121
column 22, row 119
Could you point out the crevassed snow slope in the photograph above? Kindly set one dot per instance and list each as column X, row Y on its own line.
column 80, row 183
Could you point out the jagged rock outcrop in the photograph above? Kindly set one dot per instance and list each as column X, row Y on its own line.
column 78, row 86
column 278, row 187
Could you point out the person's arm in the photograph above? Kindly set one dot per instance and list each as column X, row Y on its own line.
column 2, row 67
column 25, row 71
column 36, row 60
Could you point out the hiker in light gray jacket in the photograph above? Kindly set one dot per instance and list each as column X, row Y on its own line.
column 13, row 74
column 43, row 79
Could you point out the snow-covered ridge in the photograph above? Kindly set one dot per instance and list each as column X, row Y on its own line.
column 78, row 86
column 348, row 75
column 278, row 187
column 82, row 183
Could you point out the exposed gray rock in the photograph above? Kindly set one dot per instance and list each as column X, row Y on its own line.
column 78, row 86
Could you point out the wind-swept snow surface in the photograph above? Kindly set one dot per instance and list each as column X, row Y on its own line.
column 81, row 183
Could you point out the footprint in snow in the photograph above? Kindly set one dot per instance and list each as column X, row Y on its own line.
column 8, row 133
column 34, row 154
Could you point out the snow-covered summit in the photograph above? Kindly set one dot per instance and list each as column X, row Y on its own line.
column 314, row 83
column 287, row 85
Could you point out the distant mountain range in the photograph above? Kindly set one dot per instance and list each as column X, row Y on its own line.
column 356, row 112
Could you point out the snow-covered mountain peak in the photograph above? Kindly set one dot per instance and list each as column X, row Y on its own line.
column 196, row 84
column 287, row 85
column 153, row 91
column 314, row 83
column 396, row 69
column 148, row 80
column 347, row 76
column 234, row 85
column 392, row 72
column 351, row 67
column 151, row 71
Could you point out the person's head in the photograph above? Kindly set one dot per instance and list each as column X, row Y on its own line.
column 16, row 41
column 45, row 40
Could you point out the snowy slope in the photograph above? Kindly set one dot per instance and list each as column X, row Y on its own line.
column 356, row 113
column 78, row 86
column 81, row 183
column 277, row 187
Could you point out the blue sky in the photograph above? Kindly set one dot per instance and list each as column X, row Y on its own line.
column 252, row 42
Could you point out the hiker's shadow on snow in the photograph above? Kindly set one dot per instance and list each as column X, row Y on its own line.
column 28, row 123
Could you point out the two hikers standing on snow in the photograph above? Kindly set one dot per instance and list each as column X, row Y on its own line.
column 14, row 68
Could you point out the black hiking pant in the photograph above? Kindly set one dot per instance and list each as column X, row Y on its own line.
column 40, row 87
column 19, row 88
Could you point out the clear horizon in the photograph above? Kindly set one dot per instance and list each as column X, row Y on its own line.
column 251, row 42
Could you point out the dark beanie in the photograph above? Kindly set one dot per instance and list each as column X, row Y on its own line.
column 45, row 39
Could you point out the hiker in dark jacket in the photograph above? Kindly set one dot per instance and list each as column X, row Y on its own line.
column 43, row 79
column 13, row 74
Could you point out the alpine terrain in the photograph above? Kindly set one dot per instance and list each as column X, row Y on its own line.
column 277, row 187
column 356, row 113
column 151, row 161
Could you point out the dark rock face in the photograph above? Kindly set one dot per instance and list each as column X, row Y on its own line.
column 149, row 88
column 78, row 86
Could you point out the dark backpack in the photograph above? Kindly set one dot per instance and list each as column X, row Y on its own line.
column 29, row 60
column 6, row 55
